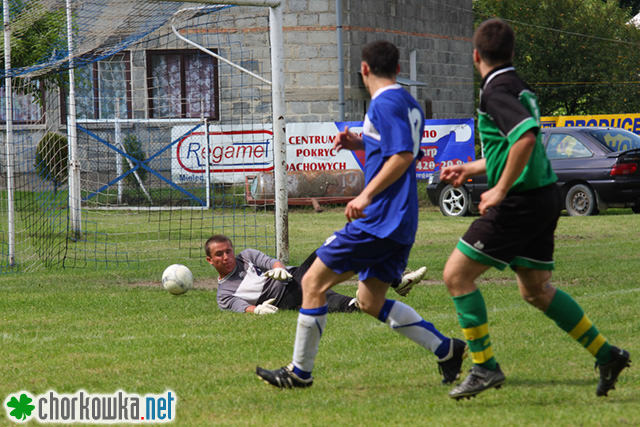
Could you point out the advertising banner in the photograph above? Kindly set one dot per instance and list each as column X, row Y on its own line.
column 445, row 142
column 630, row 122
column 310, row 147
column 236, row 151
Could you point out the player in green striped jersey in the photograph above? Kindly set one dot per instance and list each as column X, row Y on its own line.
column 519, row 214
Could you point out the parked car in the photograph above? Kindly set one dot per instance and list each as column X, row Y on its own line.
column 597, row 168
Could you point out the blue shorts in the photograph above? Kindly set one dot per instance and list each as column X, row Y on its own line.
column 352, row 249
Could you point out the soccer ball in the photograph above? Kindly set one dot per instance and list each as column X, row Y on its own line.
column 177, row 279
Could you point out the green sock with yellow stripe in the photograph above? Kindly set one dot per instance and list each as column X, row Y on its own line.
column 472, row 315
column 570, row 317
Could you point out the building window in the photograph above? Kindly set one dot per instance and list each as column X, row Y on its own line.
column 182, row 84
column 27, row 108
column 104, row 88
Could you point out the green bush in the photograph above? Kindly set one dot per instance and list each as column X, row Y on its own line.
column 133, row 147
column 51, row 162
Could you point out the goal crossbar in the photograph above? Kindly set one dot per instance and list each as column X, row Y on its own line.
column 269, row 3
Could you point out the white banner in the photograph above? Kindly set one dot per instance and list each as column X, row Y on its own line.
column 236, row 151
column 310, row 148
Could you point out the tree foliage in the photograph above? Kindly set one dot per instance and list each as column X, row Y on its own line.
column 633, row 5
column 579, row 56
column 36, row 35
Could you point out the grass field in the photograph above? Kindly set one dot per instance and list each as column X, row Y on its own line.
column 109, row 330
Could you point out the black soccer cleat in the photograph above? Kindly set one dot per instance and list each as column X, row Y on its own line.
column 478, row 380
column 283, row 377
column 450, row 366
column 609, row 371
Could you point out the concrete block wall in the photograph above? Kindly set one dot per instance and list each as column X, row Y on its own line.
column 439, row 31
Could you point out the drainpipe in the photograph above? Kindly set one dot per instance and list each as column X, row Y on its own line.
column 340, row 59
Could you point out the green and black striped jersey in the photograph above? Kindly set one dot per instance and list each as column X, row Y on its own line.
column 508, row 109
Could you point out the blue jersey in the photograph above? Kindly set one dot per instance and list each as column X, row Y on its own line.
column 394, row 124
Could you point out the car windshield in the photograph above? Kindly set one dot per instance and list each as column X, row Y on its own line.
column 616, row 139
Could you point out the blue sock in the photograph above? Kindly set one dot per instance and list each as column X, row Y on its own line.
column 300, row 373
column 443, row 349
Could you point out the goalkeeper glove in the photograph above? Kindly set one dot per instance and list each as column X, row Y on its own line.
column 266, row 307
column 279, row 273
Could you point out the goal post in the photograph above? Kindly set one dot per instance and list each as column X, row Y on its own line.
column 8, row 137
column 75, row 211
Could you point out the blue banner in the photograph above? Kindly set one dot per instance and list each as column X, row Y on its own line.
column 445, row 142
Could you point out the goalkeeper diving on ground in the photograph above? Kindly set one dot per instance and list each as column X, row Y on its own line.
column 253, row 282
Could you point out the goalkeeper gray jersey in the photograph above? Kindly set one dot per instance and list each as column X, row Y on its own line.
column 246, row 285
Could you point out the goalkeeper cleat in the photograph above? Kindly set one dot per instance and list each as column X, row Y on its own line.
column 609, row 371
column 283, row 377
column 450, row 365
column 409, row 280
column 478, row 380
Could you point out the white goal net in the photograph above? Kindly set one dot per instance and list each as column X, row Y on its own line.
column 147, row 147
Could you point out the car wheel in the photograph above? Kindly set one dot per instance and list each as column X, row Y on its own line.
column 580, row 201
column 454, row 201
column 636, row 208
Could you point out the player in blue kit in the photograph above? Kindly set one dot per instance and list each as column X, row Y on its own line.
column 383, row 221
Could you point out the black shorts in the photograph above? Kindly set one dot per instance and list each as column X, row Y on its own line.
column 519, row 232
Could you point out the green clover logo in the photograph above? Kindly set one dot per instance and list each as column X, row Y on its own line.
column 22, row 407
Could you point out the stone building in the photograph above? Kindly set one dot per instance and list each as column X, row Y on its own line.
column 434, row 38
column 161, row 76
